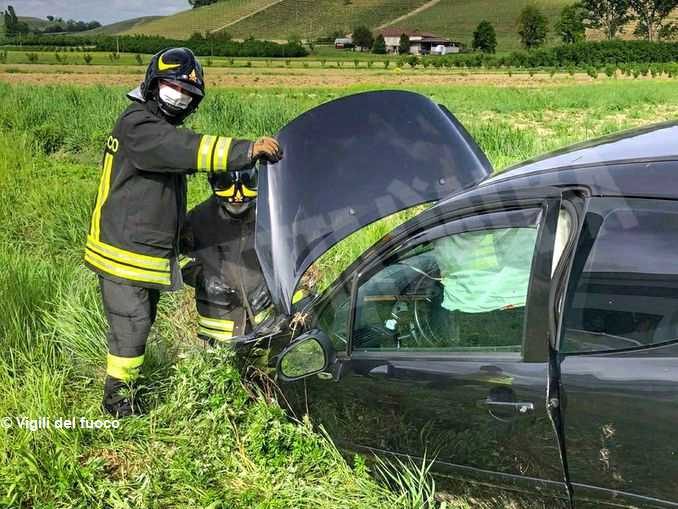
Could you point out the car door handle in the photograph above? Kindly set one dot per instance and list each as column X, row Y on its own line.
column 522, row 406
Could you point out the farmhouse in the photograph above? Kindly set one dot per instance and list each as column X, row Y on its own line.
column 421, row 43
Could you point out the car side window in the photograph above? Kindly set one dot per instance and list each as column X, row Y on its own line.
column 623, row 288
column 465, row 291
column 333, row 319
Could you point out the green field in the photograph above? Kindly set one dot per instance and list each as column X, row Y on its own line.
column 210, row 440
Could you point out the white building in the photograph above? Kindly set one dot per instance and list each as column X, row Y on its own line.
column 421, row 43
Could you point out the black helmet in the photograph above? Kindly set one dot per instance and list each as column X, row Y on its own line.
column 177, row 66
column 237, row 190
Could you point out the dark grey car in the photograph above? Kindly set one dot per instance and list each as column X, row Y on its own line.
column 522, row 332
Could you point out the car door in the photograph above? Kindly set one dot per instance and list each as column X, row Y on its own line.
column 619, row 354
column 443, row 350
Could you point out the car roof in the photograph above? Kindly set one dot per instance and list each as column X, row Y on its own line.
column 657, row 142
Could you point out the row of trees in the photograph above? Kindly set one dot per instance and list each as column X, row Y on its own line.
column 609, row 16
column 201, row 3
column 14, row 27
column 58, row 25
column 153, row 44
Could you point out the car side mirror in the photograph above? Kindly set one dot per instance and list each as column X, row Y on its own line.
column 309, row 354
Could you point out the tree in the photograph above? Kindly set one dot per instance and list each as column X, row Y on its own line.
column 485, row 38
column 610, row 16
column 404, row 44
column 379, row 46
column 362, row 37
column 13, row 26
column 570, row 25
column 652, row 16
column 532, row 27
column 201, row 3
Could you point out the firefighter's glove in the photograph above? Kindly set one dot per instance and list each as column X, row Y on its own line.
column 267, row 149
column 259, row 299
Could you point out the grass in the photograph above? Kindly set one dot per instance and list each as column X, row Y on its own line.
column 205, row 19
column 210, row 439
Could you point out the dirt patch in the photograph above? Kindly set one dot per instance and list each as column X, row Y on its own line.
column 289, row 78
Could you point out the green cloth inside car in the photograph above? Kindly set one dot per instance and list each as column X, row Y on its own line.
column 486, row 270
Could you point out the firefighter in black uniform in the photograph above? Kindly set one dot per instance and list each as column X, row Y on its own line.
column 141, row 203
column 218, row 236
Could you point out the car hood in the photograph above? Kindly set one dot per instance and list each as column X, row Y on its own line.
column 348, row 163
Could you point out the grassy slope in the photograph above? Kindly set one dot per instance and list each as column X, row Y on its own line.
column 34, row 23
column 458, row 19
column 185, row 23
column 207, row 440
column 312, row 18
column 121, row 26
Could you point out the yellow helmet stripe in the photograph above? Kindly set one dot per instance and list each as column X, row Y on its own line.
column 226, row 192
column 162, row 66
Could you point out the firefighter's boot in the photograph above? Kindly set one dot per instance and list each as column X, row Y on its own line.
column 119, row 400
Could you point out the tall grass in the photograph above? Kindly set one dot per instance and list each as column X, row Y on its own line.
column 208, row 440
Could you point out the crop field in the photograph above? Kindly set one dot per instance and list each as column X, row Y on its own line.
column 211, row 439
column 326, row 69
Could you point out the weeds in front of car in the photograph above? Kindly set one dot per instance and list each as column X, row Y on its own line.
column 207, row 441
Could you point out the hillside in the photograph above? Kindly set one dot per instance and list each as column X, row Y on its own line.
column 458, row 19
column 33, row 23
column 317, row 18
column 121, row 26
column 205, row 19
column 278, row 19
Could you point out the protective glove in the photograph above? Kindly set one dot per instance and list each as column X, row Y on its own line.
column 259, row 299
column 266, row 148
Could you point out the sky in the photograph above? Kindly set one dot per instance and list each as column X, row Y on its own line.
column 104, row 11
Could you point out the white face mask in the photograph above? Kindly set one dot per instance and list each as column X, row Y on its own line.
column 174, row 97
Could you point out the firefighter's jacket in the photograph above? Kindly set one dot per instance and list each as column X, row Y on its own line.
column 224, row 269
column 141, row 203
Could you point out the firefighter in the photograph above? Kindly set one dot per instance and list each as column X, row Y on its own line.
column 218, row 235
column 141, row 203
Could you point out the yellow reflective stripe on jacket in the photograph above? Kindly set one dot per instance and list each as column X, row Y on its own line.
column 221, row 150
column 184, row 260
column 124, row 368
column 126, row 271
column 219, row 336
column 215, row 323
column 205, row 150
column 102, row 194
column 128, row 257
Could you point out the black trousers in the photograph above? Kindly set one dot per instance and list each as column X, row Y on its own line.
column 130, row 312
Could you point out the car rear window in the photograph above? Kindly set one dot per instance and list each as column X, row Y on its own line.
column 623, row 289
